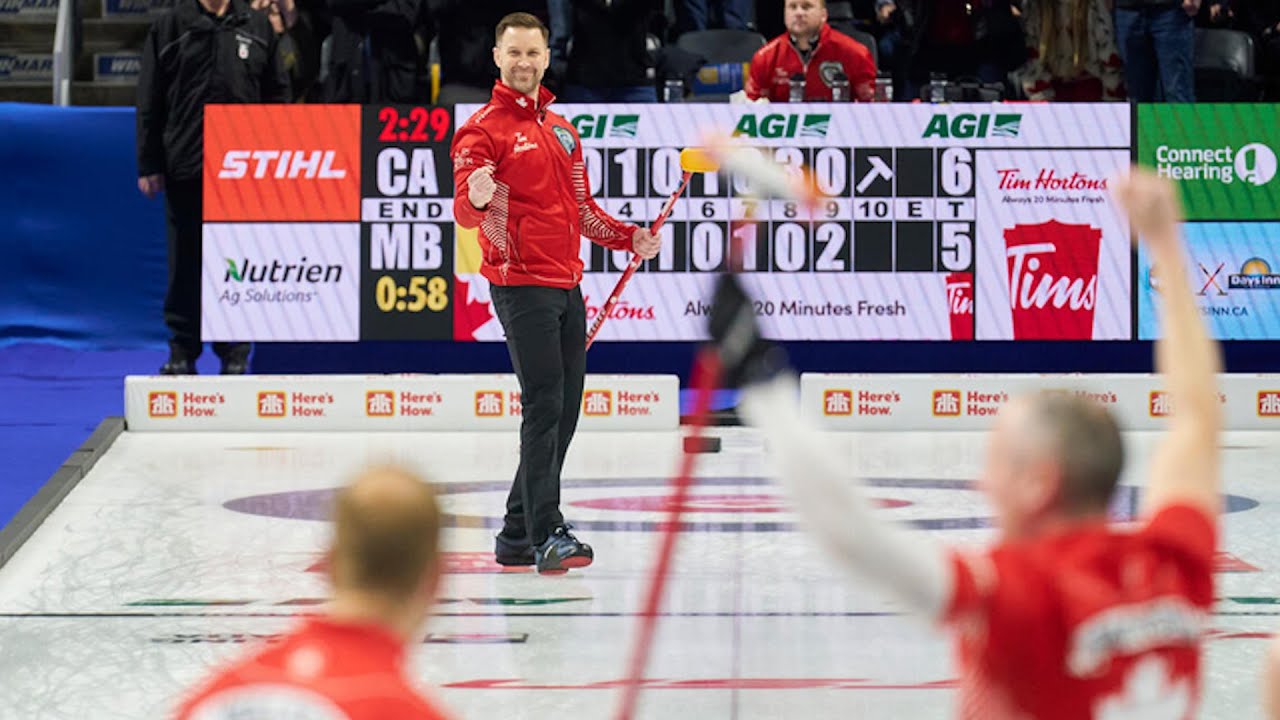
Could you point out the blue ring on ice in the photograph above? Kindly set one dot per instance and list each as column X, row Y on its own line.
column 315, row 504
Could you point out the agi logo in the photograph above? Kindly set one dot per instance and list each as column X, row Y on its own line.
column 596, row 126
column 162, row 404
column 597, row 403
column 968, row 125
column 810, row 125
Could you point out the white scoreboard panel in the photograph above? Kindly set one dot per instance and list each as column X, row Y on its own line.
column 935, row 222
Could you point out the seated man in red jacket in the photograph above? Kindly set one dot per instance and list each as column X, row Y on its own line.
column 810, row 48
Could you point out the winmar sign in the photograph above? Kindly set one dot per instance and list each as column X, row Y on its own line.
column 783, row 126
column 595, row 126
column 967, row 125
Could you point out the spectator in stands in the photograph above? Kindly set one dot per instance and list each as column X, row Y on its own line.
column 299, row 43
column 811, row 49
column 197, row 52
column 694, row 15
column 973, row 39
column 1157, row 44
column 467, row 72
column 1071, row 50
column 610, row 60
column 349, row 662
column 378, row 52
column 1261, row 18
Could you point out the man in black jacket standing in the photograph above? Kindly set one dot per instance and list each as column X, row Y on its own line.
column 610, row 61
column 197, row 53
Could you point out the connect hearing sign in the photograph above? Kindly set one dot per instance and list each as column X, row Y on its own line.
column 934, row 222
column 1223, row 159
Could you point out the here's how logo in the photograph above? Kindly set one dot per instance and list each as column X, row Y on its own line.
column 597, row 403
column 837, row 402
column 783, row 126
column 968, row 125
column 272, row 404
column 946, row 403
column 488, row 403
column 162, row 404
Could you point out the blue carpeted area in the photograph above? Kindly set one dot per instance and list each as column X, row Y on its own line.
column 53, row 397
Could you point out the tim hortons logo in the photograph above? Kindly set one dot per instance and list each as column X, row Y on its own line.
column 946, row 403
column 1269, row 403
column 837, row 402
column 379, row 403
column 488, row 403
column 1053, row 280
column 162, row 404
column 960, row 304
column 271, row 404
column 597, row 403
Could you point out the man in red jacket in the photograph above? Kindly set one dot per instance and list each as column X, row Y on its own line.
column 811, row 49
column 348, row 663
column 520, row 178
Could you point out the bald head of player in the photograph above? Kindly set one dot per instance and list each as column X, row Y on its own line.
column 1052, row 458
column 384, row 558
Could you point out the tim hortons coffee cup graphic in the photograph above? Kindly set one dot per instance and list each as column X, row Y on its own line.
column 960, row 304
column 1053, row 280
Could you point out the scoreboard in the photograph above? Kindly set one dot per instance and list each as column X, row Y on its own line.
column 921, row 209
column 935, row 222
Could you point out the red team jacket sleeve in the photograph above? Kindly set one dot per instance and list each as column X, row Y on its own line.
column 861, row 69
column 597, row 225
column 1190, row 538
column 472, row 149
column 757, row 85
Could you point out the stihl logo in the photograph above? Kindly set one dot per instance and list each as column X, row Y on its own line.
column 1269, row 403
column 1159, row 404
column 271, row 404
column 280, row 164
column 162, row 404
column 379, row 403
column 837, row 402
column 597, row 403
column 488, row 403
column 946, row 403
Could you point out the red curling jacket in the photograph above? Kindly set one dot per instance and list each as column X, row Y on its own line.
column 773, row 65
column 530, row 232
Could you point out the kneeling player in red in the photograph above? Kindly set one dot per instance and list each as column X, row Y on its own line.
column 1065, row 617
column 348, row 663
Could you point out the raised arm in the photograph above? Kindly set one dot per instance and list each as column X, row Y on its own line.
column 910, row 566
column 1184, row 469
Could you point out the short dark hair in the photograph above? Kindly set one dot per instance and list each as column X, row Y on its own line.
column 1086, row 443
column 520, row 20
